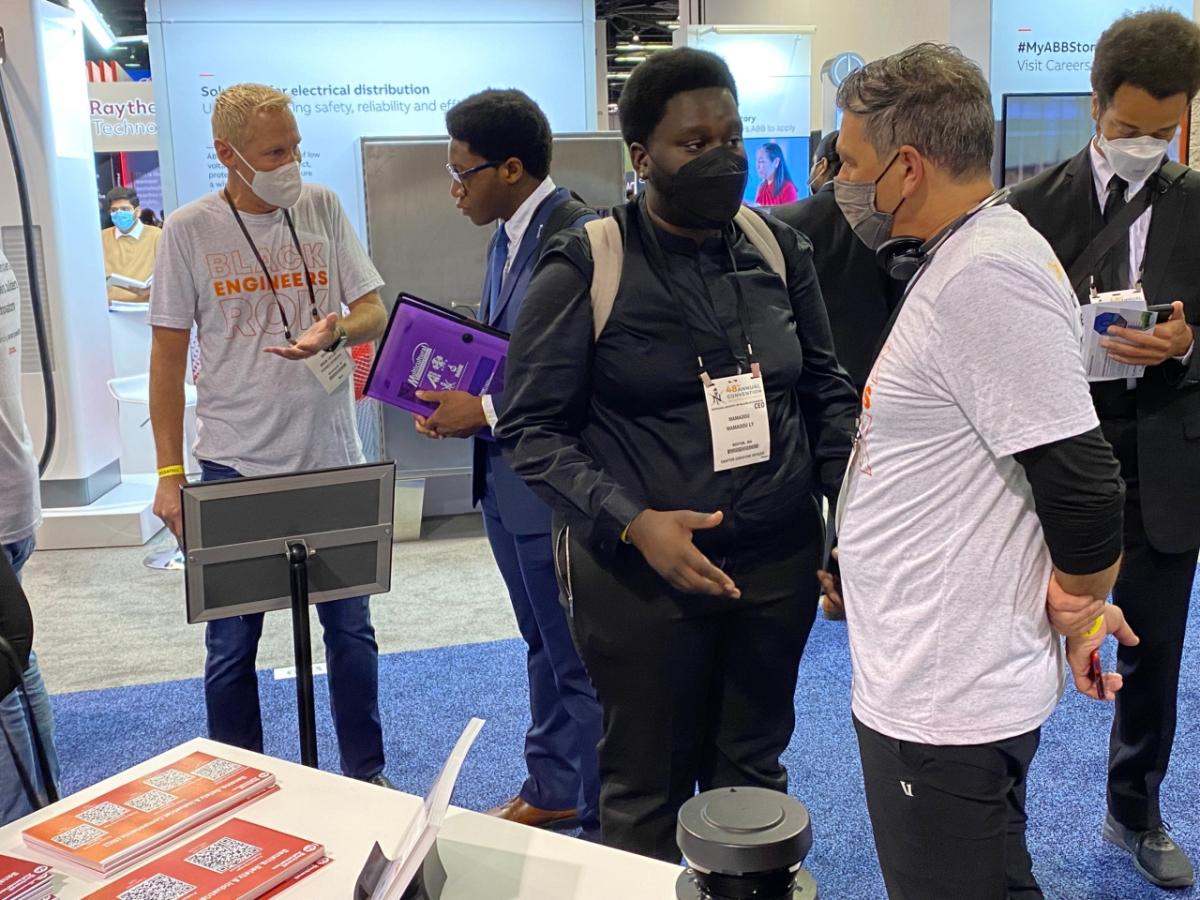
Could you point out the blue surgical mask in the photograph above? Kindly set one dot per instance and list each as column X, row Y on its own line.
column 124, row 219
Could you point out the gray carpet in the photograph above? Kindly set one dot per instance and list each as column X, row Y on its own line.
column 103, row 620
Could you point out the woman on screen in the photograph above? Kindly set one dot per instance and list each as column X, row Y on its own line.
column 776, row 185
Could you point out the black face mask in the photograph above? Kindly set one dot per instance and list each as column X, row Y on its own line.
column 704, row 193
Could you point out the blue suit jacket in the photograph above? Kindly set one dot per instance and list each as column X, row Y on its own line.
column 521, row 512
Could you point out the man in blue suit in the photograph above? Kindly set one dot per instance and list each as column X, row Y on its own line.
column 499, row 165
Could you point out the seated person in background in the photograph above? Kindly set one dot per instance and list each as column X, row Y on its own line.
column 776, row 185
column 129, row 244
column 149, row 218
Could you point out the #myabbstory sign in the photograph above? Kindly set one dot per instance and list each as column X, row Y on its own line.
column 122, row 116
column 1040, row 47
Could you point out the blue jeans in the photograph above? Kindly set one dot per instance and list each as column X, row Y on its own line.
column 352, row 657
column 13, row 801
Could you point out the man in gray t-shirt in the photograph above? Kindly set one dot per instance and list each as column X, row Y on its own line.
column 980, row 492
column 278, row 286
column 20, row 516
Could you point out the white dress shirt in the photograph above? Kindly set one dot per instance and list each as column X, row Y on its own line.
column 1139, row 231
column 515, row 228
column 135, row 232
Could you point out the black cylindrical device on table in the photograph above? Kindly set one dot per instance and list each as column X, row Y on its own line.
column 744, row 844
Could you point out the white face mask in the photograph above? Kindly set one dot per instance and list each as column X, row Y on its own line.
column 1134, row 159
column 278, row 187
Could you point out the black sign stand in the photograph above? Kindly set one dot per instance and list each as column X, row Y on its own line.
column 302, row 642
column 326, row 535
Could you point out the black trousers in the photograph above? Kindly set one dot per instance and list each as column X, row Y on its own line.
column 949, row 821
column 696, row 691
column 1154, row 590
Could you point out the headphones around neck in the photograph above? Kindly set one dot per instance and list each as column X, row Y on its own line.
column 903, row 257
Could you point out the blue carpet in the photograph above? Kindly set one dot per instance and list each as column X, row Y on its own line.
column 427, row 696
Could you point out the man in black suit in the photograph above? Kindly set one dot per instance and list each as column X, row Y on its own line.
column 859, row 295
column 1145, row 74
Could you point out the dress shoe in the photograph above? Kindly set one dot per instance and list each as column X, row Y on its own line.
column 382, row 781
column 517, row 810
column 1156, row 857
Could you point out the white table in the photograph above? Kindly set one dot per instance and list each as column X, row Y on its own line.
column 483, row 857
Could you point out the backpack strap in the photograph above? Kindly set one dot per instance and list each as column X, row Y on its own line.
column 608, row 256
column 565, row 216
column 759, row 233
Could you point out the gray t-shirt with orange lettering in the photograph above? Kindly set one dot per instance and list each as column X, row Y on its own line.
column 256, row 412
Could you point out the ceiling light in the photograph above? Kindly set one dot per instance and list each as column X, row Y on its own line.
column 618, row 76
column 94, row 22
column 641, row 48
column 133, row 39
column 630, row 59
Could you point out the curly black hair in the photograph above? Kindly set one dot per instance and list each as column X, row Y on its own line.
column 1157, row 51
column 662, row 76
column 503, row 124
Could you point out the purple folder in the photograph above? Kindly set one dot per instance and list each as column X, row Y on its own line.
column 429, row 348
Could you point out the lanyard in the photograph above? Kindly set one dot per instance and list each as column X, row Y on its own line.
column 664, row 276
column 308, row 281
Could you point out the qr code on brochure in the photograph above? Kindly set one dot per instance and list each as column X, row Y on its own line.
column 169, row 780
column 102, row 813
column 151, row 800
column 223, row 855
column 158, row 887
column 218, row 769
column 79, row 836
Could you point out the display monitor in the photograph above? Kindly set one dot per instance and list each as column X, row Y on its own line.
column 778, row 170
column 1042, row 130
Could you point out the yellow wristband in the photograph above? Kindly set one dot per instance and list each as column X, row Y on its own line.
column 1096, row 626
column 168, row 471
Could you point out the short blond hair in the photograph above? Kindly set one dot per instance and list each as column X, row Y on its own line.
column 237, row 104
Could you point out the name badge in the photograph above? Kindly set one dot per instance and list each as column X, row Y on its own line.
column 737, row 417
column 330, row 369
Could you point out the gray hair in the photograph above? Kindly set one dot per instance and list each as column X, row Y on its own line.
column 930, row 97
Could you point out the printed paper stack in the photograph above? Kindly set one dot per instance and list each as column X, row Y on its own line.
column 21, row 879
column 129, row 823
column 235, row 861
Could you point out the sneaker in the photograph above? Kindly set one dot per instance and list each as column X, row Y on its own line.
column 382, row 781
column 1158, row 858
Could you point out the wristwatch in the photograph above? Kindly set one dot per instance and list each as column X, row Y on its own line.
column 339, row 341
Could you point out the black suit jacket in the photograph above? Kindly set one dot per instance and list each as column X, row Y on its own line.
column 859, row 295
column 1061, row 203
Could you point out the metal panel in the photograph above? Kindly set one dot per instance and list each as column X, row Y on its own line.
column 422, row 245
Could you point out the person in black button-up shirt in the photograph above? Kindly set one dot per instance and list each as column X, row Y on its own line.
column 691, row 591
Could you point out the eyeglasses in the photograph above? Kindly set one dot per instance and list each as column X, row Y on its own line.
column 460, row 177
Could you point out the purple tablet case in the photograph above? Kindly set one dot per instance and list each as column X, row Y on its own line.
column 429, row 348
